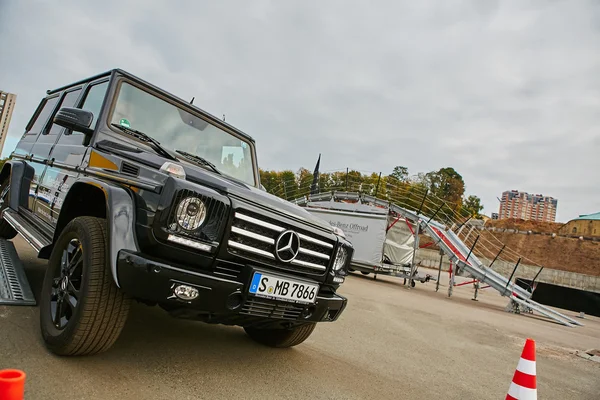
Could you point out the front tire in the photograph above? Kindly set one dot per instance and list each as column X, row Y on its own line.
column 82, row 312
column 6, row 231
column 281, row 338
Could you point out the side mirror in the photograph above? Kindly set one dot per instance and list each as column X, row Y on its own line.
column 75, row 119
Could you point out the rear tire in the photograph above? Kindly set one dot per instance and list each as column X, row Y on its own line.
column 82, row 312
column 6, row 231
column 281, row 338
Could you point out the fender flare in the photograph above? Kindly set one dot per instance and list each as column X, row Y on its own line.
column 120, row 220
column 18, row 171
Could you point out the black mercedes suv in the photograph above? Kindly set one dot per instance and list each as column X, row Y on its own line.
column 132, row 193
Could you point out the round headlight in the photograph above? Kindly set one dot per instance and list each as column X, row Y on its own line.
column 191, row 213
column 340, row 258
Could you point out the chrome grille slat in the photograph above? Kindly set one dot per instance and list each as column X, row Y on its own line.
column 314, row 253
column 316, row 241
column 250, row 249
column 309, row 265
column 259, row 222
column 254, row 237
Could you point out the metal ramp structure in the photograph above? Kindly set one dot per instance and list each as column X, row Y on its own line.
column 455, row 249
column 14, row 286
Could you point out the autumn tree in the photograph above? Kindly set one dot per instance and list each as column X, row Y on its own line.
column 472, row 206
column 446, row 184
column 400, row 173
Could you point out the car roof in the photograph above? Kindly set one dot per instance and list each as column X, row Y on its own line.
column 128, row 75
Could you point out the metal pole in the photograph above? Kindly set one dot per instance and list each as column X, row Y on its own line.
column 447, row 219
column 511, row 275
column 461, row 225
column 423, row 201
column 536, row 275
column 415, row 247
column 437, row 284
column 377, row 187
column 451, row 285
column 346, row 179
column 497, row 255
column 534, row 278
column 472, row 247
column 476, row 288
column 435, row 213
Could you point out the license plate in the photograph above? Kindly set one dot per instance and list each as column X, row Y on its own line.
column 272, row 287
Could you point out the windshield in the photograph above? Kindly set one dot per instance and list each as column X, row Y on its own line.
column 177, row 129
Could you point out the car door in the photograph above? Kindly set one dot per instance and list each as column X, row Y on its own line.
column 67, row 153
column 28, row 147
column 42, row 150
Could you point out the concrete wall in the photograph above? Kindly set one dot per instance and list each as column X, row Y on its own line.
column 431, row 259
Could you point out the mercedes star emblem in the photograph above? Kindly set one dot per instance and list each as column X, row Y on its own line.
column 287, row 246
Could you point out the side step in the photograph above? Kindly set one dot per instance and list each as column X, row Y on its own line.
column 25, row 229
column 14, row 287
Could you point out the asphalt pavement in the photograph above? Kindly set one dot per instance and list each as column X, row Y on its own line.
column 391, row 343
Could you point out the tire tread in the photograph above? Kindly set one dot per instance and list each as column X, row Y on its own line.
column 105, row 307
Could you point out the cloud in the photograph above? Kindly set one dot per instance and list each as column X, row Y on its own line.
column 505, row 92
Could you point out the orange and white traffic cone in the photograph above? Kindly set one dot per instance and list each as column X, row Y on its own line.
column 12, row 384
column 524, row 385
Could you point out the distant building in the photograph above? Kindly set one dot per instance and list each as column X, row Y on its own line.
column 522, row 205
column 584, row 225
column 7, row 105
column 494, row 215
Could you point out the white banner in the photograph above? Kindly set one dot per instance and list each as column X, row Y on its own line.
column 366, row 232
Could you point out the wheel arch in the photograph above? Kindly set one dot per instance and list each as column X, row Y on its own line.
column 17, row 171
column 100, row 199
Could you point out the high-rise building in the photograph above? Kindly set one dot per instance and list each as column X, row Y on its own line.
column 522, row 205
column 7, row 105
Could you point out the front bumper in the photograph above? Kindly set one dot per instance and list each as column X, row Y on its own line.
column 219, row 300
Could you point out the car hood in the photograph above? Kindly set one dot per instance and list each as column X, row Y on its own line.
column 251, row 194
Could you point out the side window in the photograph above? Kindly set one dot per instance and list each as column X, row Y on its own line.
column 94, row 99
column 42, row 117
column 68, row 101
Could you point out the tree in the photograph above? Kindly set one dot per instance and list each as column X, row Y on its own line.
column 305, row 178
column 269, row 179
column 446, row 184
column 400, row 173
column 473, row 206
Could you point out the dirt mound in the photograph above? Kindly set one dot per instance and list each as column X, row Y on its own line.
column 561, row 253
column 565, row 254
column 522, row 225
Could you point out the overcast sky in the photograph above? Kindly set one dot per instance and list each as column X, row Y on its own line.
column 506, row 92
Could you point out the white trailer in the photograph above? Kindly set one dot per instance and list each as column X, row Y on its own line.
column 384, row 242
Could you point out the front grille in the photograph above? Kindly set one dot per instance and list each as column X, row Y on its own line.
column 254, row 237
column 216, row 213
column 271, row 309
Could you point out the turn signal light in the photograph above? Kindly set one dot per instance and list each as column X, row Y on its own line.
column 173, row 169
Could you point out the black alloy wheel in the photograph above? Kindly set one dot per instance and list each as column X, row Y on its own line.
column 82, row 311
column 66, row 285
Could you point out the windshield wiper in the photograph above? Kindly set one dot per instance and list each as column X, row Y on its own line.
column 155, row 144
column 199, row 159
